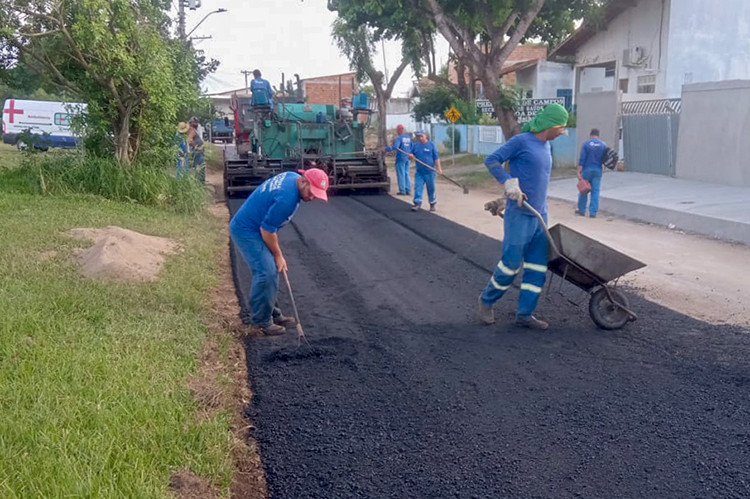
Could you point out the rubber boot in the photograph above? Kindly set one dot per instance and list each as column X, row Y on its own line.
column 433, row 207
column 485, row 313
column 531, row 322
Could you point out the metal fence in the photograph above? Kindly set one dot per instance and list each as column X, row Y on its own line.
column 650, row 135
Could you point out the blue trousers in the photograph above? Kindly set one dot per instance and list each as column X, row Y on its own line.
column 402, row 175
column 594, row 176
column 524, row 245
column 424, row 178
column 264, row 289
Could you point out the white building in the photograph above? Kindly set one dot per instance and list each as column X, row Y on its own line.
column 656, row 46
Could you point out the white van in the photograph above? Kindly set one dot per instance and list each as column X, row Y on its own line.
column 47, row 121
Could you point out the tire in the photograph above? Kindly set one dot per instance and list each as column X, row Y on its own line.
column 604, row 313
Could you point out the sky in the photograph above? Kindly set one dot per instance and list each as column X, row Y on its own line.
column 278, row 36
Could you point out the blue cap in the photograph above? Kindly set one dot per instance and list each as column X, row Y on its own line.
column 419, row 132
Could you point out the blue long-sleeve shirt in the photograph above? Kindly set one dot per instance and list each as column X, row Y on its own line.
column 270, row 206
column 426, row 153
column 402, row 142
column 530, row 162
column 261, row 85
column 592, row 152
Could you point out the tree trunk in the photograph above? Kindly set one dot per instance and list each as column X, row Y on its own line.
column 122, row 141
column 506, row 117
column 382, row 110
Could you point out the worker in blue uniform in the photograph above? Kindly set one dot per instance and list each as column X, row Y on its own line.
column 258, row 84
column 590, row 168
column 524, row 241
column 402, row 145
column 254, row 231
column 427, row 160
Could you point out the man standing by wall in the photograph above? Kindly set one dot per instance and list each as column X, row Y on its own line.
column 254, row 230
column 524, row 240
column 425, row 154
column 590, row 169
column 402, row 146
column 258, row 84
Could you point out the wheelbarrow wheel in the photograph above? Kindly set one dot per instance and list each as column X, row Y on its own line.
column 606, row 314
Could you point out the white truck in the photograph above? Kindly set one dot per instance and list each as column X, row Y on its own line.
column 47, row 122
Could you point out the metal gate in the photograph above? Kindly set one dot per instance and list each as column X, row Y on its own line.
column 650, row 135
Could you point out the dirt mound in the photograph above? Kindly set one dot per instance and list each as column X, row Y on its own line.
column 122, row 254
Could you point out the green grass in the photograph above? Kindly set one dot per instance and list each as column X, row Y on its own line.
column 475, row 179
column 10, row 156
column 93, row 391
column 465, row 160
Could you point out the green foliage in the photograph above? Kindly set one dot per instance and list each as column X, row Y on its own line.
column 452, row 141
column 433, row 102
column 78, row 173
column 116, row 56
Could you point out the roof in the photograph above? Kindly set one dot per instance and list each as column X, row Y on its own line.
column 325, row 77
column 518, row 66
column 587, row 30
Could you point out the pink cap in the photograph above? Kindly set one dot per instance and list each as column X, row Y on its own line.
column 318, row 182
column 400, row 127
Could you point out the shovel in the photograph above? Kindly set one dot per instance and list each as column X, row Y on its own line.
column 446, row 177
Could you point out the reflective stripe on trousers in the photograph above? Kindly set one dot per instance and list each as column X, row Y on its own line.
column 524, row 247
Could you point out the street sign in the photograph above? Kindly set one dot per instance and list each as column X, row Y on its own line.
column 453, row 114
column 529, row 107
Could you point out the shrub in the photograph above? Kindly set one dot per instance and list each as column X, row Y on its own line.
column 147, row 182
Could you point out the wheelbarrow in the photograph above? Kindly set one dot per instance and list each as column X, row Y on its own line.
column 591, row 266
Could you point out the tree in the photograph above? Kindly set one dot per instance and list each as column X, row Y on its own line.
column 116, row 56
column 482, row 34
column 357, row 43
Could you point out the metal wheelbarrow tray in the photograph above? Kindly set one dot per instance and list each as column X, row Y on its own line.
column 591, row 265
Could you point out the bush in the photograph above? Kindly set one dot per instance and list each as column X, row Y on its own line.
column 452, row 133
column 147, row 182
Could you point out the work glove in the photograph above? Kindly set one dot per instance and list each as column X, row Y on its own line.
column 513, row 191
column 495, row 207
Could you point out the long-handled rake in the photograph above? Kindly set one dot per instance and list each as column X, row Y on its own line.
column 446, row 177
column 300, row 332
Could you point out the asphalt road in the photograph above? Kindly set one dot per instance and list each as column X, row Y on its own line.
column 404, row 395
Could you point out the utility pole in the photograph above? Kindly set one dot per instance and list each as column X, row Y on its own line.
column 246, row 72
column 181, row 19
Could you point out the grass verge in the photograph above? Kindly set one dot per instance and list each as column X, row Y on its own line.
column 93, row 375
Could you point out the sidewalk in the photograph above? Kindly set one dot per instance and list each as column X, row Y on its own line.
column 713, row 210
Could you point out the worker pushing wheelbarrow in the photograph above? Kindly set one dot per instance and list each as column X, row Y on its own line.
column 529, row 246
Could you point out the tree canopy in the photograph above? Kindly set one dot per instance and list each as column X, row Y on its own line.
column 115, row 55
column 482, row 34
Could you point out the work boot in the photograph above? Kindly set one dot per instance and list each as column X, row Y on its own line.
column 579, row 213
column 416, row 207
column 531, row 322
column 272, row 330
column 433, row 207
column 485, row 313
column 593, row 215
column 284, row 320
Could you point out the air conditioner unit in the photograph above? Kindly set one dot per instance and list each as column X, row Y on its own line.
column 633, row 56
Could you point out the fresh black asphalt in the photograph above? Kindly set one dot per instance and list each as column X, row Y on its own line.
column 402, row 394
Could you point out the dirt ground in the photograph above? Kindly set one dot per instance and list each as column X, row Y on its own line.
column 690, row 274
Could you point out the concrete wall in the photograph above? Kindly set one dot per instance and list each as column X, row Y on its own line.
column 564, row 149
column 440, row 133
column 410, row 124
column 713, row 143
column 709, row 40
column 552, row 76
column 646, row 24
column 598, row 110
